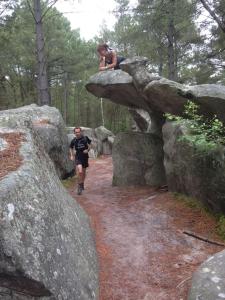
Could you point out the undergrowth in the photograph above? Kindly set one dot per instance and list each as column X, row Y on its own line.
column 198, row 206
column 204, row 132
column 69, row 182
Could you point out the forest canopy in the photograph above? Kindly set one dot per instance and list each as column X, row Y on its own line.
column 41, row 57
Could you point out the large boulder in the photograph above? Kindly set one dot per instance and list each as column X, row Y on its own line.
column 122, row 88
column 208, row 281
column 116, row 86
column 138, row 68
column 195, row 170
column 170, row 97
column 47, row 246
column 106, row 139
column 47, row 122
column 138, row 160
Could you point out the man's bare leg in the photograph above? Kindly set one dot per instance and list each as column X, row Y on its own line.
column 80, row 179
column 84, row 176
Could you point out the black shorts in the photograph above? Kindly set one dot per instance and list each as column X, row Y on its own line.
column 82, row 161
column 119, row 60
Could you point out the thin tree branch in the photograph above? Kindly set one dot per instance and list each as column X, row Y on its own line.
column 44, row 14
column 203, row 238
column 5, row 8
column 213, row 14
column 31, row 10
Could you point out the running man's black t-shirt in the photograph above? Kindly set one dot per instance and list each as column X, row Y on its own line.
column 80, row 145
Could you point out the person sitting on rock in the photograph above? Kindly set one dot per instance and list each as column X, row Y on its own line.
column 79, row 148
column 108, row 58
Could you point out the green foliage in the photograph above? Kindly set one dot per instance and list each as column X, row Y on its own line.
column 171, row 117
column 221, row 226
column 155, row 19
column 190, row 202
column 203, row 131
column 198, row 206
column 213, row 54
column 69, row 182
column 141, row 30
column 70, row 63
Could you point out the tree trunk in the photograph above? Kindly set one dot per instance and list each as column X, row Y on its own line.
column 78, row 107
column 160, row 65
column 171, row 43
column 65, row 98
column 175, row 58
column 88, row 111
column 3, row 92
column 74, row 106
column 42, row 78
column 102, row 113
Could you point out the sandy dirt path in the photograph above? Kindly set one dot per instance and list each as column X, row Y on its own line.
column 142, row 250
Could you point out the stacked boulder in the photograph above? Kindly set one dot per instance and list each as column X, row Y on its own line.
column 149, row 97
column 189, row 170
column 138, row 159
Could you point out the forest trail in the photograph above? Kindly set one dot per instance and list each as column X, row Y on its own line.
column 142, row 250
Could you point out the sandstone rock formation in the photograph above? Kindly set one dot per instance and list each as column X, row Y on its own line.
column 138, row 160
column 188, row 169
column 136, row 88
column 47, row 246
column 149, row 95
column 46, row 122
column 142, row 119
column 198, row 172
column 106, row 139
column 208, row 281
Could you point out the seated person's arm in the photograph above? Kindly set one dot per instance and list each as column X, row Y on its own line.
column 102, row 63
column 114, row 61
column 103, row 67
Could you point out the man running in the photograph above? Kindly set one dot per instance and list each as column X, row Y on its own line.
column 79, row 148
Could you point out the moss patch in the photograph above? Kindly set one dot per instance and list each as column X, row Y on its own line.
column 69, row 182
column 221, row 226
column 191, row 202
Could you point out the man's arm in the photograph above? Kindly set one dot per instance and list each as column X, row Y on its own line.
column 72, row 150
column 88, row 145
column 72, row 153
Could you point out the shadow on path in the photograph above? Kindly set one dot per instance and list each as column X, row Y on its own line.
column 143, row 254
